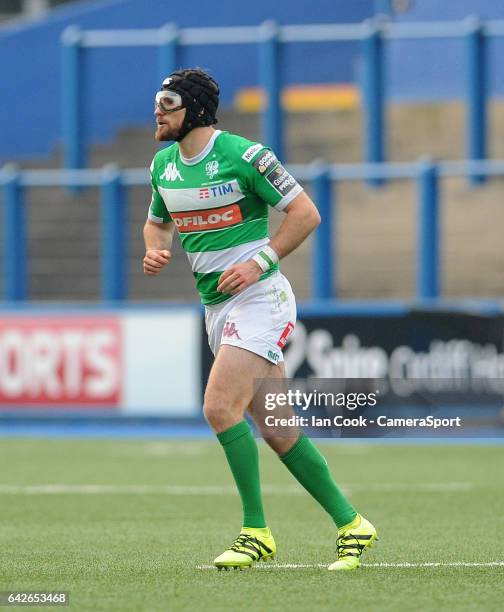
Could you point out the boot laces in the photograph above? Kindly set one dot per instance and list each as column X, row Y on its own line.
column 244, row 540
column 348, row 543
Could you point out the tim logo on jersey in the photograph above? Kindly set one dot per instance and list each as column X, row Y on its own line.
column 206, row 193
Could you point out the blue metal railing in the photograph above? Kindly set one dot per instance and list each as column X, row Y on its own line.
column 372, row 35
column 323, row 178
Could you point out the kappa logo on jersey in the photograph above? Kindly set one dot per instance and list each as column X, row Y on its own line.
column 208, row 219
column 281, row 180
column 215, row 191
column 248, row 156
column 264, row 162
column 171, row 173
column 212, row 168
column 230, row 330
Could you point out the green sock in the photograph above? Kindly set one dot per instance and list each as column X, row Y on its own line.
column 243, row 458
column 307, row 464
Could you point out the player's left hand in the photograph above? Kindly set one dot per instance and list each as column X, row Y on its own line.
column 239, row 277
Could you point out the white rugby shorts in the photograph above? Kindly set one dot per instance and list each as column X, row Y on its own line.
column 258, row 319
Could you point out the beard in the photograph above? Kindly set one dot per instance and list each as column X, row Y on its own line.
column 165, row 132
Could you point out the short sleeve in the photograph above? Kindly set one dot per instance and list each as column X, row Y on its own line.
column 157, row 209
column 268, row 179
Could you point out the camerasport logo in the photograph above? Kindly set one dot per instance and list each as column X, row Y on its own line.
column 208, row 219
column 60, row 361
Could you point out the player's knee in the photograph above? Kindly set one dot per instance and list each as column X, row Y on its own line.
column 220, row 409
column 214, row 409
column 210, row 412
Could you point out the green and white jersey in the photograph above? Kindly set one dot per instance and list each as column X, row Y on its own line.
column 219, row 202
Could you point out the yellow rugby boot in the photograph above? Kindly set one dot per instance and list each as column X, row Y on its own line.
column 252, row 545
column 353, row 540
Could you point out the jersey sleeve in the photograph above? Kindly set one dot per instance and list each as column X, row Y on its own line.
column 157, row 209
column 268, row 179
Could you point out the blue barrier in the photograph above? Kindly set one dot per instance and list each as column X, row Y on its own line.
column 324, row 179
column 271, row 79
column 322, row 268
column 428, row 232
column 15, row 251
column 476, row 94
column 373, row 97
column 72, row 112
column 168, row 50
column 270, row 38
column 114, row 271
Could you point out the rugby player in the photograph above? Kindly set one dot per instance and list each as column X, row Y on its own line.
column 215, row 189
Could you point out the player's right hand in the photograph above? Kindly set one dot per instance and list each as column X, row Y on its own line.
column 155, row 260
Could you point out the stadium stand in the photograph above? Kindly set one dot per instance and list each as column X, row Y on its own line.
column 376, row 228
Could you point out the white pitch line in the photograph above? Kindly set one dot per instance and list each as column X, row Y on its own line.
column 181, row 490
column 175, row 490
column 425, row 487
column 440, row 564
column 274, row 566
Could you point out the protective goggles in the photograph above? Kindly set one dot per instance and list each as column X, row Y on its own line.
column 168, row 101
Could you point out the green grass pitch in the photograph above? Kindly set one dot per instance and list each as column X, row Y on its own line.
column 134, row 525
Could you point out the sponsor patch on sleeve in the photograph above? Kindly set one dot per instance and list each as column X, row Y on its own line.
column 248, row 156
column 265, row 162
column 281, row 180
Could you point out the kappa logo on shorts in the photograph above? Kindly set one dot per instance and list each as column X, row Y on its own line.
column 230, row 330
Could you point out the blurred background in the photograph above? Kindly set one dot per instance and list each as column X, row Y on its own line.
column 389, row 112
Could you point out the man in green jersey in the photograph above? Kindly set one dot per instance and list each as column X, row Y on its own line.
column 216, row 188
